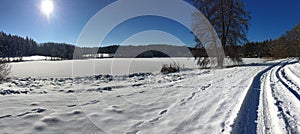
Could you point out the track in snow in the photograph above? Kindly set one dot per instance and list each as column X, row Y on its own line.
column 245, row 121
column 269, row 98
column 291, row 86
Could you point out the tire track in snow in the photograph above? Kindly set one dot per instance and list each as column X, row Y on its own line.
column 284, row 110
column 266, row 119
column 292, row 75
column 271, row 102
column 282, row 80
column 246, row 119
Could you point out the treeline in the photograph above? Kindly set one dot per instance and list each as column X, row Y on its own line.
column 15, row 46
column 18, row 47
column 257, row 49
column 288, row 45
column 61, row 50
column 144, row 51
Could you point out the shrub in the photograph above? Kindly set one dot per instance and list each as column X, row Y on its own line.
column 172, row 68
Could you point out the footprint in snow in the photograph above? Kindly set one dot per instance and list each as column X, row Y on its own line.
column 133, row 132
column 116, row 109
column 205, row 87
column 34, row 104
column 19, row 115
column 107, row 88
column 70, row 91
column 91, row 102
column 72, row 105
column 76, row 112
column 159, row 117
column 154, row 120
column 182, row 102
column 193, row 94
column 137, row 124
column 5, row 116
column 134, row 128
column 38, row 110
column 163, row 112
column 137, row 85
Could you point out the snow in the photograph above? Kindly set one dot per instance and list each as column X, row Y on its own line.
column 34, row 58
column 114, row 66
column 38, row 58
column 279, row 102
column 190, row 101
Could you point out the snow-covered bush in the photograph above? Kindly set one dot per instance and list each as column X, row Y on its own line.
column 4, row 69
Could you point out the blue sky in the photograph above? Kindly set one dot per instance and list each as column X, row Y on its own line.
column 146, row 23
column 270, row 19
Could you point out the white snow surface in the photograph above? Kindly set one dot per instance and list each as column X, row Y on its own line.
column 114, row 66
column 259, row 98
column 33, row 58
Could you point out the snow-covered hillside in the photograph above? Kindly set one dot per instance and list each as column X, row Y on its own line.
column 262, row 98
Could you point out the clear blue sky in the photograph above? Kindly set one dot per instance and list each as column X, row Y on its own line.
column 270, row 19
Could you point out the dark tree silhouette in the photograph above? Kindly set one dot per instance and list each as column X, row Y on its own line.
column 287, row 45
column 230, row 20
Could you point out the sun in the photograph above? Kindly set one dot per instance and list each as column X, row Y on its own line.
column 47, row 7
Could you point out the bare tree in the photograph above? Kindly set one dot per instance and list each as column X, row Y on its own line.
column 230, row 20
column 288, row 45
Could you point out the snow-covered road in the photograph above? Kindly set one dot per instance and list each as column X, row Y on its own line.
column 255, row 98
column 280, row 100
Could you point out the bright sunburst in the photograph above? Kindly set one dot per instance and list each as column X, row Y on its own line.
column 47, row 7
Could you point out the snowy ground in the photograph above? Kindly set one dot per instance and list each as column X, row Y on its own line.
column 254, row 98
column 115, row 66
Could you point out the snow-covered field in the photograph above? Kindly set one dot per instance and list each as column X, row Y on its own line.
column 262, row 98
column 114, row 66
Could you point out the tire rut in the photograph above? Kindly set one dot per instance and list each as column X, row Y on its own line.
column 294, row 92
column 246, row 119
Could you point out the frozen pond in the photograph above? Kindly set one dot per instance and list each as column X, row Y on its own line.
column 113, row 66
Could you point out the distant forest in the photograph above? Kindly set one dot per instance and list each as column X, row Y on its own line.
column 288, row 45
column 16, row 46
